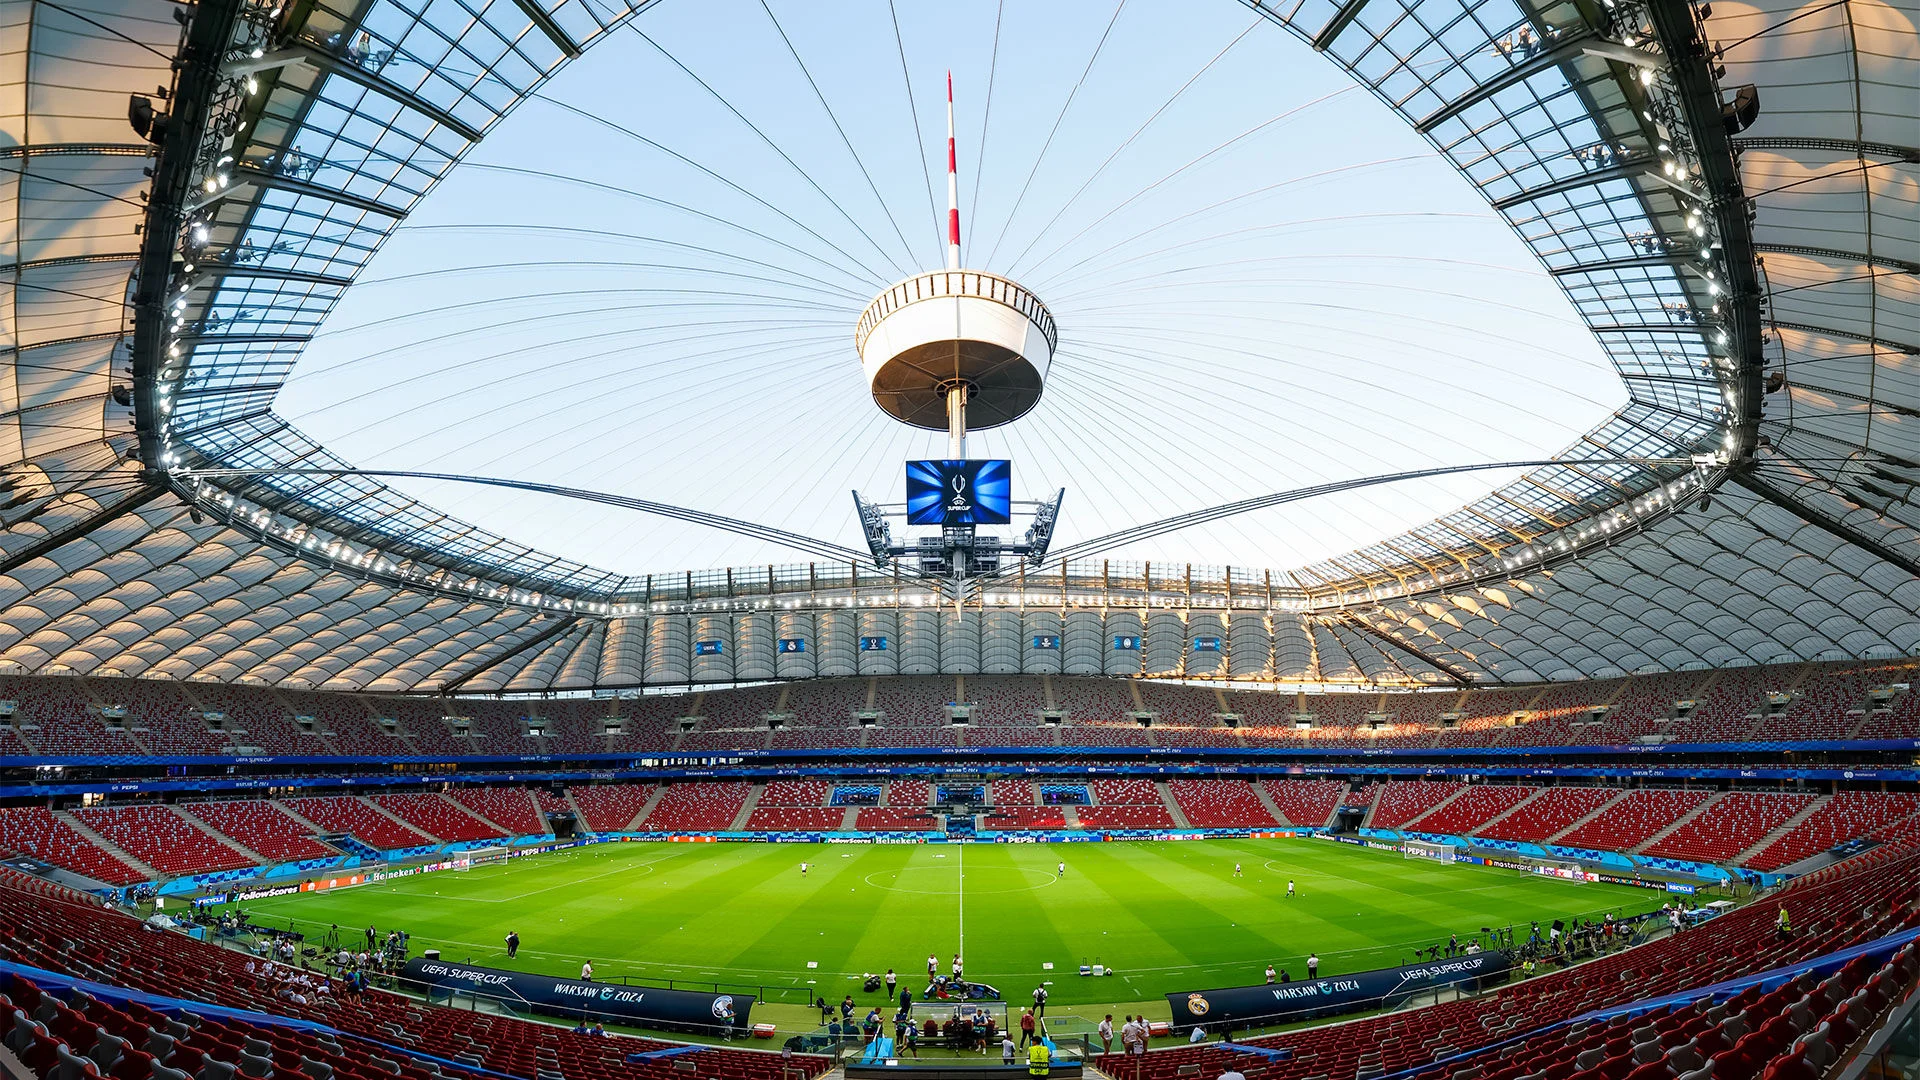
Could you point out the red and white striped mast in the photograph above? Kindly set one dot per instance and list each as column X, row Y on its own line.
column 953, row 187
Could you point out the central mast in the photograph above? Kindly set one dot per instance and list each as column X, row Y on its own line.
column 957, row 389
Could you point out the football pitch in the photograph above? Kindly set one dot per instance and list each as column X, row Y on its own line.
column 1167, row 916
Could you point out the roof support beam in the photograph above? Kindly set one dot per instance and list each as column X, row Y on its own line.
column 1836, row 255
column 354, row 73
column 223, row 271
column 1854, row 147
column 247, row 180
column 546, row 25
column 85, row 149
column 55, row 541
column 1631, row 169
column 105, row 335
column 1647, row 328
column 1342, row 19
column 242, row 339
column 560, row 626
column 1867, row 339
column 1641, row 262
column 1454, row 673
column 1569, row 47
column 68, row 260
column 1766, row 489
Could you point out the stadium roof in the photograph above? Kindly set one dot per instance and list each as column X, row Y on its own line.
column 1757, row 291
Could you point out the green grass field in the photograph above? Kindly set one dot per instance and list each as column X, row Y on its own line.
column 1169, row 916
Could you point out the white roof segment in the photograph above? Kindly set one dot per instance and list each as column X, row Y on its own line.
column 1811, row 556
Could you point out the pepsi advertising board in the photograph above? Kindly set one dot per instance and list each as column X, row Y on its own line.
column 959, row 492
column 1331, row 994
column 649, row 1006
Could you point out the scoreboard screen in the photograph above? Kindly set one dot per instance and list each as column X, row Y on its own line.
column 959, row 492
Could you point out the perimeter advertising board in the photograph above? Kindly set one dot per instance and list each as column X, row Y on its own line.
column 1333, row 994
column 650, row 1006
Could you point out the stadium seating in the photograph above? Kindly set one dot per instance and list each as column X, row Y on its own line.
column 1555, row 810
column 1017, row 818
column 914, row 793
column 1307, row 803
column 1733, row 823
column 611, row 807
column 263, row 827
column 1474, row 807
column 1852, row 906
column 1113, row 791
column 348, row 814
column 1220, row 804
column 894, row 819
column 162, row 839
column 698, row 806
column 1106, row 816
column 1011, row 791
column 796, row 793
column 796, row 818
column 63, row 715
column 1403, row 800
column 1628, row 822
column 511, row 809
column 380, row 1036
column 436, row 816
column 33, row 830
column 1846, row 816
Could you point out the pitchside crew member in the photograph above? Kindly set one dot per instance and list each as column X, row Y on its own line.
column 513, row 943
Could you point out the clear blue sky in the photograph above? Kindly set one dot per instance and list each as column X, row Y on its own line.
column 1262, row 279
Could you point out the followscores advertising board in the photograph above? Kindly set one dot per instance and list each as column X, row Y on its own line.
column 959, row 492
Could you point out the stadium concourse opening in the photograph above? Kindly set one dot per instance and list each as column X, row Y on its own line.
column 1481, row 642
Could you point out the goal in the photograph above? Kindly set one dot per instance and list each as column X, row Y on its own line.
column 1422, row 849
column 485, row 856
column 1563, row 869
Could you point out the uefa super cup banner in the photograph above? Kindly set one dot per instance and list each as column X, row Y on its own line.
column 650, row 1006
column 1333, row 994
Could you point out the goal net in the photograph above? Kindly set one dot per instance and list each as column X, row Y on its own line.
column 485, row 856
column 1422, row 849
column 1563, row 869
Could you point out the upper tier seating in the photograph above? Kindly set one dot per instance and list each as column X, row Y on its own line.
column 1225, row 804
column 1403, row 800
column 263, row 827
column 1846, row 816
column 348, row 814
column 162, row 839
column 438, row 817
column 1306, row 803
column 1555, row 810
column 611, row 807
column 62, row 715
column 1473, row 808
column 1735, row 822
column 509, row 808
column 698, row 806
column 1631, row 821
column 33, row 830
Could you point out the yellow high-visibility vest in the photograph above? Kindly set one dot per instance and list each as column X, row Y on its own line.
column 1039, row 1062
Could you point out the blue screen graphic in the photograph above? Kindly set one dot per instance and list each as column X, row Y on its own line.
column 959, row 492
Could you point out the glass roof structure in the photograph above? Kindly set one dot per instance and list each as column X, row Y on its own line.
column 1758, row 291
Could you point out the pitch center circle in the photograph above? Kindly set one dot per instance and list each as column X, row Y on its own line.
column 980, row 880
